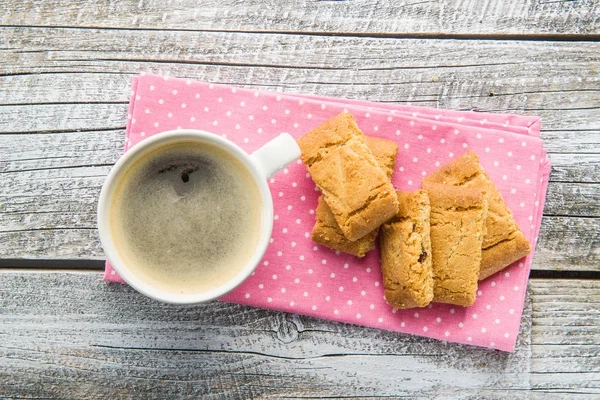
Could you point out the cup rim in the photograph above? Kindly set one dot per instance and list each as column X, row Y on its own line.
column 135, row 153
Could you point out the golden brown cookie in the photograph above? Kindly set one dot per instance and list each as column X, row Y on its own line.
column 406, row 253
column 503, row 243
column 457, row 223
column 354, row 186
column 326, row 230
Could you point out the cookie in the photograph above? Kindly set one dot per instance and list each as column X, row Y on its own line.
column 326, row 231
column 503, row 243
column 406, row 253
column 457, row 229
column 357, row 190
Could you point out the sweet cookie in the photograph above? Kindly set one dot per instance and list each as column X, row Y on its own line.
column 354, row 186
column 406, row 253
column 457, row 224
column 503, row 243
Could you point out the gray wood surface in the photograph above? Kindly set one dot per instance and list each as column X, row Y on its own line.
column 71, row 335
column 65, row 71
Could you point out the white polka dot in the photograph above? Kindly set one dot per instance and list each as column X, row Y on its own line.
column 346, row 266
column 532, row 157
column 206, row 109
column 293, row 244
column 406, row 145
column 398, row 132
column 261, row 286
column 192, row 119
column 143, row 134
column 375, row 128
column 279, row 253
column 376, row 283
column 434, row 127
column 273, row 121
column 289, row 207
column 450, row 155
column 438, row 320
column 355, row 279
column 402, row 324
column 311, row 211
column 469, row 339
column 415, row 159
column 509, row 154
column 255, row 94
column 295, row 124
column 170, row 115
column 156, row 124
column 488, row 307
column 358, row 316
column 305, row 294
column 483, row 330
column 513, row 190
column 502, row 298
column 497, row 321
column 306, row 234
column 250, row 117
column 516, row 288
column 504, row 177
column 416, row 315
column 447, row 333
column 369, row 270
column 474, row 316
column 429, row 150
column 197, row 95
column 309, row 116
column 327, row 298
column 243, row 104
column 460, row 325
column 442, row 141
column 341, row 288
column 518, row 167
column 174, row 91
column 363, row 293
column 452, row 311
column 380, row 320
column 412, row 123
column 292, row 303
column 274, row 276
column 315, row 248
column 284, row 230
column 319, row 284
column 349, row 302
column 487, row 149
column 161, row 101
column 420, row 137
column 310, row 271
column 501, row 140
column 269, row 300
column 410, row 182
column 215, row 123
column 336, row 312
column 511, row 311
column 298, row 220
column 425, row 329
column 465, row 145
column 183, row 105
column 479, row 293
column 506, row 335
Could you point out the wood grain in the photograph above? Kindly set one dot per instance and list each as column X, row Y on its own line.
column 385, row 17
column 70, row 334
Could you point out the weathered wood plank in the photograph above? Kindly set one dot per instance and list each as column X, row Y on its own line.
column 566, row 349
column 50, row 185
column 379, row 16
column 467, row 73
column 68, row 334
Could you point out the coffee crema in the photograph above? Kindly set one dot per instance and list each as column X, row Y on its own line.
column 186, row 217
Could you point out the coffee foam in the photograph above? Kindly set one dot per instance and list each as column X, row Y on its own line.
column 186, row 217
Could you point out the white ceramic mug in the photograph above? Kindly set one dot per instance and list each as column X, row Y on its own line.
column 263, row 163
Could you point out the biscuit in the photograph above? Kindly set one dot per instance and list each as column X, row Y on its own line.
column 503, row 243
column 457, row 223
column 354, row 186
column 326, row 231
column 406, row 253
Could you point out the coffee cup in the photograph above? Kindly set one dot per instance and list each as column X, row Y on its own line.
column 185, row 216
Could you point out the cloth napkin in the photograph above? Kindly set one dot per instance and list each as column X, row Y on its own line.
column 298, row 276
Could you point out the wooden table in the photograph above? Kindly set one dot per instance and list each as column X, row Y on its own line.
column 65, row 71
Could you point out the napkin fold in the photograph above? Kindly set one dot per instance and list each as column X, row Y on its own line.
column 298, row 276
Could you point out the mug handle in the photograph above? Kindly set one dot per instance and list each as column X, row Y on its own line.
column 276, row 154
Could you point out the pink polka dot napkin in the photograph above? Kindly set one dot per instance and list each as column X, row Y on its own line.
column 298, row 276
